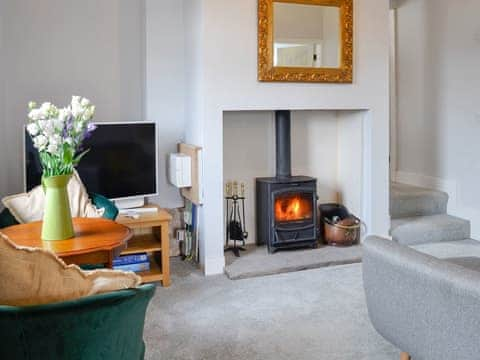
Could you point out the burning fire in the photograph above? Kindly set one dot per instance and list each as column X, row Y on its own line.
column 293, row 208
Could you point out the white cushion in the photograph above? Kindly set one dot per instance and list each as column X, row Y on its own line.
column 28, row 207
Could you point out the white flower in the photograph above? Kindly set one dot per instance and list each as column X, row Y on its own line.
column 76, row 99
column 52, row 148
column 88, row 114
column 34, row 114
column 85, row 102
column 55, row 139
column 79, row 126
column 46, row 109
column 42, row 124
column 65, row 113
column 40, row 142
column 48, row 128
column 43, row 113
column 53, row 129
column 33, row 129
column 59, row 123
column 77, row 109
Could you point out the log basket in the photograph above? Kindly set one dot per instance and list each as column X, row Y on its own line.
column 343, row 231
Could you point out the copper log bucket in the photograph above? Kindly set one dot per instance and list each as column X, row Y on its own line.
column 345, row 232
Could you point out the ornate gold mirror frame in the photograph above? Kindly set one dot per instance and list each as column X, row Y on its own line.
column 268, row 72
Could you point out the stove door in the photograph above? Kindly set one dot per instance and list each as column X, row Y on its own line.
column 294, row 215
column 293, row 207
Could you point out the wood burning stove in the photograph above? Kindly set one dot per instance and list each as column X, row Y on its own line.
column 286, row 205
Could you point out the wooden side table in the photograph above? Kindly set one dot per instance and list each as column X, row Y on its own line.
column 151, row 236
column 96, row 241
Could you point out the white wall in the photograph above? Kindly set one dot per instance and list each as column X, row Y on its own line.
column 220, row 61
column 230, row 83
column 351, row 167
column 315, row 149
column 126, row 56
column 248, row 152
column 55, row 48
column 193, row 20
column 438, row 107
column 165, row 86
column 326, row 145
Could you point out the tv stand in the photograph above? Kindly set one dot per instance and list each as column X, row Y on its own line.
column 130, row 203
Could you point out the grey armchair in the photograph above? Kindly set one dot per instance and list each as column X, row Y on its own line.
column 427, row 307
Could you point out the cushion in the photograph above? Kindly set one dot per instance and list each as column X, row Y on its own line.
column 100, row 201
column 7, row 219
column 28, row 207
column 32, row 276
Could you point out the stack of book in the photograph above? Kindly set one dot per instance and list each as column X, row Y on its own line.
column 133, row 262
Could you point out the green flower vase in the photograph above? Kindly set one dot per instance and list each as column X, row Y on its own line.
column 57, row 218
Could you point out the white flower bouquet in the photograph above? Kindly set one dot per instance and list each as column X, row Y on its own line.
column 58, row 134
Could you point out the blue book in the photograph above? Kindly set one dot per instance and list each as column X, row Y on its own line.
column 138, row 267
column 130, row 259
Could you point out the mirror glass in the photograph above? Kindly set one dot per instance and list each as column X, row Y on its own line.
column 306, row 35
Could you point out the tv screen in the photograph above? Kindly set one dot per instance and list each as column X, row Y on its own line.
column 121, row 163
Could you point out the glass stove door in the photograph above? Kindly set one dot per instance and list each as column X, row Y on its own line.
column 293, row 207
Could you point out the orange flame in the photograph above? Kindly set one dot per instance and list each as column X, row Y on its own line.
column 293, row 208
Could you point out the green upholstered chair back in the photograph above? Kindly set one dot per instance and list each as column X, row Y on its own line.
column 100, row 201
column 106, row 326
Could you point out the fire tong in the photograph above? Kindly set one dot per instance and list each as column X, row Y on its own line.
column 235, row 217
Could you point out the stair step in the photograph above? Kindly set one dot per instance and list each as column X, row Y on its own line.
column 451, row 249
column 429, row 229
column 410, row 201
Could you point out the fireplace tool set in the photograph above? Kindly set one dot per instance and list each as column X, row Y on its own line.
column 235, row 217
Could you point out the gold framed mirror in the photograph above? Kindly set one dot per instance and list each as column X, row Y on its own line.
column 305, row 40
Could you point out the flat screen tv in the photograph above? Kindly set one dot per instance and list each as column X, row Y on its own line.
column 121, row 163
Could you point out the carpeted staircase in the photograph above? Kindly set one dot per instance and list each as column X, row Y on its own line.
column 419, row 216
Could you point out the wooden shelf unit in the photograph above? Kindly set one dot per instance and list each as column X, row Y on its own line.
column 151, row 236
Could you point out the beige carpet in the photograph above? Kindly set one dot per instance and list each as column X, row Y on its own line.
column 314, row 314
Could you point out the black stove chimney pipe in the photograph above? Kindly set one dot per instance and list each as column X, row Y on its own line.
column 283, row 143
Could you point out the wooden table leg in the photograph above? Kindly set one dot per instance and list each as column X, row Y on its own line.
column 110, row 260
column 165, row 254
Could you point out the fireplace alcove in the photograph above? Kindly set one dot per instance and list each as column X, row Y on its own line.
column 326, row 149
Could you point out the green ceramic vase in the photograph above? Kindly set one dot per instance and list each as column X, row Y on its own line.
column 57, row 218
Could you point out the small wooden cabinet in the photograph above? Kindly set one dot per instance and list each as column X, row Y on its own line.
column 151, row 236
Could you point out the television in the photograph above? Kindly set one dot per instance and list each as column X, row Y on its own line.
column 121, row 164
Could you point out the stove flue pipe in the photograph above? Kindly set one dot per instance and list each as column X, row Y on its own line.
column 283, row 143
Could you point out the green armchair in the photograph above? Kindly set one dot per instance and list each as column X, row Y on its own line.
column 106, row 326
